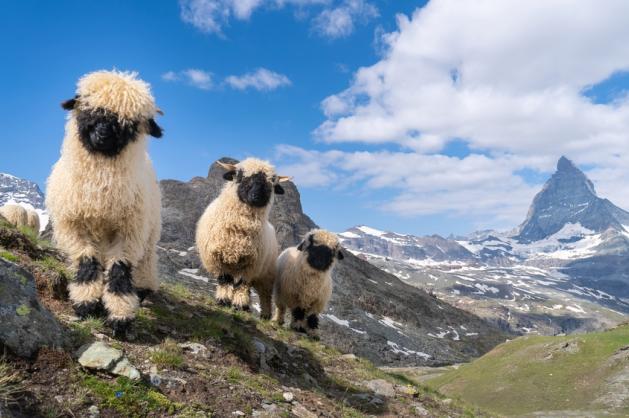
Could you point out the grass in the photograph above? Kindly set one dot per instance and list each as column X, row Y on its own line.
column 10, row 384
column 539, row 374
column 168, row 354
column 132, row 399
column 33, row 237
column 83, row 330
column 7, row 255
column 52, row 264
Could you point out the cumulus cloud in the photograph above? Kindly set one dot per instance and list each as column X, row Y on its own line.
column 260, row 79
column 506, row 78
column 197, row 78
column 339, row 22
column 336, row 20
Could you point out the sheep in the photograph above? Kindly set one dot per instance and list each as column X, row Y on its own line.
column 32, row 220
column 15, row 214
column 304, row 280
column 104, row 199
column 236, row 241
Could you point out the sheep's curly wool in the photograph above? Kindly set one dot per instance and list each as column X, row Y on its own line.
column 32, row 220
column 105, row 209
column 15, row 214
column 237, row 239
column 300, row 287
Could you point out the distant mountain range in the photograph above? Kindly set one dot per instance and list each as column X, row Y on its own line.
column 566, row 267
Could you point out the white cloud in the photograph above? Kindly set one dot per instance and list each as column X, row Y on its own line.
column 211, row 16
column 260, row 79
column 339, row 22
column 197, row 78
column 506, row 77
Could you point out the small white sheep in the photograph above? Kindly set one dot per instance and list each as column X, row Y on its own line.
column 304, row 280
column 15, row 214
column 103, row 196
column 32, row 220
column 235, row 239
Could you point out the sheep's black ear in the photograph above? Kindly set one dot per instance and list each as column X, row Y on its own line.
column 278, row 189
column 300, row 247
column 340, row 255
column 154, row 129
column 69, row 104
column 229, row 175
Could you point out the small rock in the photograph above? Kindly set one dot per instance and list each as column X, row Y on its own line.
column 288, row 396
column 381, row 387
column 155, row 379
column 125, row 368
column 93, row 411
column 98, row 355
column 58, row 398
column 238, row 413
column 446, row 401
column 349, row 357
column 272, row 408
column 407, row 390
column 259, row 345
column 100, row 336
column 194, row 348
column 420, row 410
column 300, row 412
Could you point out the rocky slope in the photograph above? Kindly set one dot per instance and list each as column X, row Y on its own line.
column 186, row 357
column 372, row 313
column 564, row 270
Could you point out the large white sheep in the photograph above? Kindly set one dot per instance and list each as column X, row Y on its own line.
column 103, row 196
column 15, row 214
column 236, row 242
column 304, row 280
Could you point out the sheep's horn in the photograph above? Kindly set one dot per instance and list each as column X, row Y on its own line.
column 284, row 178
column 228, row 167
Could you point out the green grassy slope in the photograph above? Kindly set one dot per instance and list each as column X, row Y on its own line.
column 570, row 373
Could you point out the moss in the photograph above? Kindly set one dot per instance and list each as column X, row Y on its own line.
column 133, row 399
column 168, row 354
column 7, row 255
column 23, row 310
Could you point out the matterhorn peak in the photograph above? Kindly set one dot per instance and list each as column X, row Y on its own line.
column 569, row 197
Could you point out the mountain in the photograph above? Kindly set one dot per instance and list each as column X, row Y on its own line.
column 569, row 197
column 372, row 313
column 17, row 190
column 566, row 269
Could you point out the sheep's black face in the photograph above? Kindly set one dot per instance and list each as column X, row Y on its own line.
column 255, row 190
column 320, row 257
column 103, row 132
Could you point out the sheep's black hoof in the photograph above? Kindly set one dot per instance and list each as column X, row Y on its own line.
column 224, row 302
column 93, row 309
column 143, row 294
column 120, row 328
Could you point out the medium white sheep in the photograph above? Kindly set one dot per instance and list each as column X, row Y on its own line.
column 32, row 220
column 304, row 280
column 235, row 239
column 103, row 196
column 15, row 214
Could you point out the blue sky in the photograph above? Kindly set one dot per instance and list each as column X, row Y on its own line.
column 342, row 169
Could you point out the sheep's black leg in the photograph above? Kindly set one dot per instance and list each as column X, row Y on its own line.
column 313, row 325
column 299, row 314
column 120, row 298
column 143, row 294
column 86, row 290
column 225, row 289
